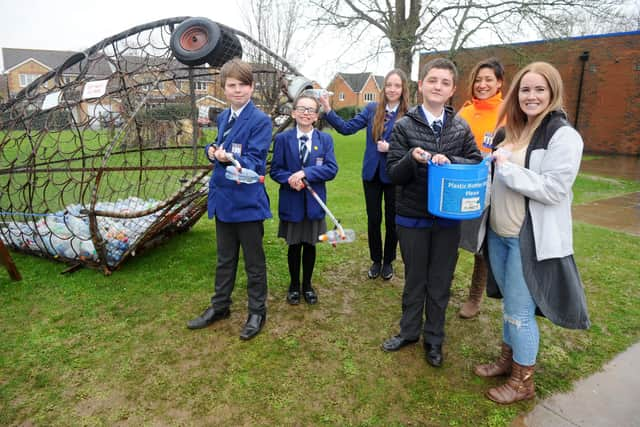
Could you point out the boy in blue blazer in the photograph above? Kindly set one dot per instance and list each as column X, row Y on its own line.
column 239, row 209
column 302, row 152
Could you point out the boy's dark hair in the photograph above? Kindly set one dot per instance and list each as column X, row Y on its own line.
column 236, row 69
column 443, row 64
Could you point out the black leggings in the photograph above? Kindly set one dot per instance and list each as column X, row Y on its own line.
column 308, row 262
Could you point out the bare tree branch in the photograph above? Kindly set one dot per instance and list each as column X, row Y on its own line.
column 431, row 24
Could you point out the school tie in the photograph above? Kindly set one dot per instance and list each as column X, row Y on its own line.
column 229, row 126
column 304, row 152
column 388, row 116
column 437, row 128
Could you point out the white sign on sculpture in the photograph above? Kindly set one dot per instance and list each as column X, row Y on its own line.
column 51, row 100
column 94, row 89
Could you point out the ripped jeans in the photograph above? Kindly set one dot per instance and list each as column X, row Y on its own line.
column 520, row 329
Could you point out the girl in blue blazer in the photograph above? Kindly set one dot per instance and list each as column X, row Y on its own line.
column 379, row 119
column 302, row 152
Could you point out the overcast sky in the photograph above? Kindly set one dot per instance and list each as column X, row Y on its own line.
column 79, row 24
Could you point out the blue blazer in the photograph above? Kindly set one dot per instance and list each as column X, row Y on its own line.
column 374, row 161
column 321, row 166
column 249, row 139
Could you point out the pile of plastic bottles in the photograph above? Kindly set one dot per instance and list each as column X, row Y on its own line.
column 67, row 234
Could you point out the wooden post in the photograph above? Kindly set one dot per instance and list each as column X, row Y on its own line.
column 7, row 261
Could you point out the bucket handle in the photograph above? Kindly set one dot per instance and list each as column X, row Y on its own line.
column 484, row 161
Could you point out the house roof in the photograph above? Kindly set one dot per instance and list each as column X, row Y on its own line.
column 355, row 81
column 51, row 58
column 12, row 57
column 379, row 81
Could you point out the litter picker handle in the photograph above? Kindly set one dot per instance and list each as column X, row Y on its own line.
column 323, row 206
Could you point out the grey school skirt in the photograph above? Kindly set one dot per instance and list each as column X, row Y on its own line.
column 306, row 231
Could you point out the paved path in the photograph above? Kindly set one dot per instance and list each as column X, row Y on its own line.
column 610, row 398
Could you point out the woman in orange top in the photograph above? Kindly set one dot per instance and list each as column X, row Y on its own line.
column 481, row 112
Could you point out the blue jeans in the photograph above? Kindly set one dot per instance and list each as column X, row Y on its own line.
column 519, row 326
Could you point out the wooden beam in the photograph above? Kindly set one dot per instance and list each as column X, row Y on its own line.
column 7, row 261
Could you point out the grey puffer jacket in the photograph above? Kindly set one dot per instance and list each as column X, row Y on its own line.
column 410, row 177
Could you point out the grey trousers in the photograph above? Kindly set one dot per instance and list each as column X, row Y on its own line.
column 229, row 238
column 430, row 256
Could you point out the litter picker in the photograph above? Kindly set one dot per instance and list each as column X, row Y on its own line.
column 343, row 236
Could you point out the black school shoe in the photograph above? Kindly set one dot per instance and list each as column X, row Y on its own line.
column 310, row 296
column 374, row 271
column 208, row 317
column 387, row 272
column 293, row 297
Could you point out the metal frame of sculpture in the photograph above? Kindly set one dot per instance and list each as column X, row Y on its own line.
column 102, row 157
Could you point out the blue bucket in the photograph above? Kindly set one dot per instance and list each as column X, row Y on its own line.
column 458, row 191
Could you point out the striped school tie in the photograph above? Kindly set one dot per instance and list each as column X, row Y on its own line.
column 304, row 151
column 437, row 128
column 388, row 116
column 229, row 126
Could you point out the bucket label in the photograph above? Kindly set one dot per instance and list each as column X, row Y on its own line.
column 462, row 196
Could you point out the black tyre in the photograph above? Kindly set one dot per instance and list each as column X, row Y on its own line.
column 200, row 40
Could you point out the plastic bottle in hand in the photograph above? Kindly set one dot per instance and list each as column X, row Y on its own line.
column 245, row 176
column 316, row 93
column 333, row 236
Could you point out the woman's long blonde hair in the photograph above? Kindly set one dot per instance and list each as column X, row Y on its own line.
column 512, row 115
column 378, row 118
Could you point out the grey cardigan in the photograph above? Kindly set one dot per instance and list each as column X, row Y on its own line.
column 546, row 237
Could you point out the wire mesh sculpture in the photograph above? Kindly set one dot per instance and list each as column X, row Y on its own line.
column 102, row 157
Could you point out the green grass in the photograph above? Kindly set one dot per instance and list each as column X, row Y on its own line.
column 85, row 349
column 588, row 188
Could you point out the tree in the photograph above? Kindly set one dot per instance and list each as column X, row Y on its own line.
column 408, row 26
column 272, row 23
column 624, row 17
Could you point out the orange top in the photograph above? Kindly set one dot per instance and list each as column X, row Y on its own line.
column 482, row 115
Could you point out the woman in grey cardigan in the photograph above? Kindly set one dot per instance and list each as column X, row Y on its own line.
column 530, row 241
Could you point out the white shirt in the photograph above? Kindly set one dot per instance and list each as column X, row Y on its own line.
column 236, row 112
column 431, row 118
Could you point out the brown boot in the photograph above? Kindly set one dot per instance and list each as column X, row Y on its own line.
column 471, row 308
column 502, row 366
column 518, row 387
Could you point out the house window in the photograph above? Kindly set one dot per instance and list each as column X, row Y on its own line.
column 341, row 96
column 369, row 97
column 27, row 79
column 201, row 86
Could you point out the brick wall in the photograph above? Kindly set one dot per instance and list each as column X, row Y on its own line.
column 609, row 111
column 29, row 67
column 339, row 86
column 371, row 91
